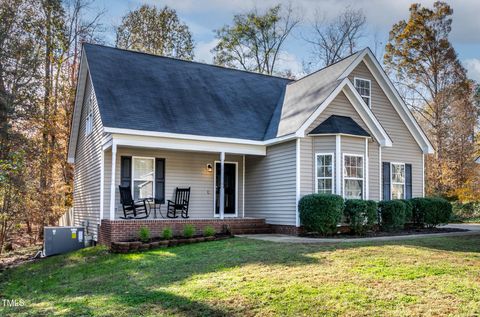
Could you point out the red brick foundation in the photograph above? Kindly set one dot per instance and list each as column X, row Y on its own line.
column 286, row 229
column 124, row 230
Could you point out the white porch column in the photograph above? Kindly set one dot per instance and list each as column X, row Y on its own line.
column 243, row 187
column 222, row 185
column 380, row 170
column 338, row 164
column 112, row 185
column 102, row 185
column 297, row 182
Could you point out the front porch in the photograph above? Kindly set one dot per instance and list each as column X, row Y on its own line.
column 215, row 174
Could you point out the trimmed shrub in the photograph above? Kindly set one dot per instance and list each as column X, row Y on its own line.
column 431, row 211
column 408, row 210
column 321, row 212
column 419, row 208
column 361, row 215
column 167, row 233
column 372, row 212
column 392, row 214
column 144, row 234
column 209, row 231
column 188, row 230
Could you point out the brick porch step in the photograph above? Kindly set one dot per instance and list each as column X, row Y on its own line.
column 253, row 230
column 248, row 225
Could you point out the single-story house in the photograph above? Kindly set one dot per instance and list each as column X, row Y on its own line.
column 248, row 145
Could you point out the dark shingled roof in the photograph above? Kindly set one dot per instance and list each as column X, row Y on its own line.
column 146, row 92
column 339, row 124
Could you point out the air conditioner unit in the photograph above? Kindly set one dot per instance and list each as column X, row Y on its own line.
column 58, row 240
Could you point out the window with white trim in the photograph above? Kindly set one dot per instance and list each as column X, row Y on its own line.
column 324, row 171
column 89, row 118
column 353, row 176
column 398, row 180
column 143, row 177
column 363, row 87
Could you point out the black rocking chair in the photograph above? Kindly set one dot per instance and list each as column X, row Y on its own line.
column 182, row 199
column 132, row 209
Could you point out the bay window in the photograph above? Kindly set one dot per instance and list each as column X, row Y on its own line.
column 324, row 172
column 353, row 176
column 143, row 177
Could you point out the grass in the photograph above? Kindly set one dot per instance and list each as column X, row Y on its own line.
column 428, row 277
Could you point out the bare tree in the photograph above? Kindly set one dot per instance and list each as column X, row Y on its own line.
column 156, row 31
column 334, row 39
column 255, row 40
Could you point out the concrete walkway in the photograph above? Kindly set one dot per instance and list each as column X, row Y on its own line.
column 474, row 229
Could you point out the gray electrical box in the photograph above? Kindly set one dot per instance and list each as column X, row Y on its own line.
column 58, row 240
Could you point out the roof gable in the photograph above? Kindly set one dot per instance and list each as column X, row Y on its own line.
column 386, row 85
column 303, row 96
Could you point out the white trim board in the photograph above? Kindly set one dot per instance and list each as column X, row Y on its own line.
column 188, row 145
column 297, row 181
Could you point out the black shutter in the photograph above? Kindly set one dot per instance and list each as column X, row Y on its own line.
column 126, row 171
column 386, row 180
column 408, row 181
column 160, row 180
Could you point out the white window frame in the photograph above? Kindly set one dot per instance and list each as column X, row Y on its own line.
column 404, row 179
column 355, row 79
column 316, row 171
column 89, row 117
column 134, row 179
column 344, row 178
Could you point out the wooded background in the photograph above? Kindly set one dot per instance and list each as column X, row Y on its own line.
column 40, row 46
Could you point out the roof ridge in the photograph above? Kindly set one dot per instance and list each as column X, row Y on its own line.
column 328, row 66
column 187, row 61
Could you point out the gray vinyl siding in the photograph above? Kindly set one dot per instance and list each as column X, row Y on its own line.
column 270, row 184
column 86, row 183
column 340, row 106
column 405, row 149
column 182, row 169
column 327, row 144
column 309, row 146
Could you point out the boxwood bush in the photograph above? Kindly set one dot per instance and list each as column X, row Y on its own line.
column 392, row 214
column 321, row 212
column 408, row 210
column 431, row 211
column 361, row 215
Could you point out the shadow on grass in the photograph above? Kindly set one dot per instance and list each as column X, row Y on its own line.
column 79, row 282
column 135, row 280
column 466, row 243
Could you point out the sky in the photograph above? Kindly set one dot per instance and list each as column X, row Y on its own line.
column 204, row 16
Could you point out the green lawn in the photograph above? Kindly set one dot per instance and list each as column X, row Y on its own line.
column 429, row 277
